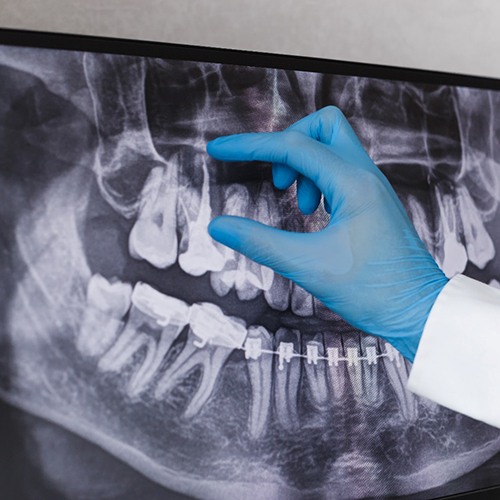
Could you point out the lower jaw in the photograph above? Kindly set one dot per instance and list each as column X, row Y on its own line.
column 350, row 447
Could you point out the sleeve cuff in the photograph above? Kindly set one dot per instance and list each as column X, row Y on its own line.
column 457, row 363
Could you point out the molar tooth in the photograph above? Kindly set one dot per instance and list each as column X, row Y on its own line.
column 200, row 254
column 211, row 339
column 260, row 372
column 171, row 315
column 397, row 373
column 301, row 301
column 287, row 378
column 420, row 221
column 107, row 304
column 337, row 374
column 371, row 387
column 323, row 312
column 154, row 236
column 315, row 371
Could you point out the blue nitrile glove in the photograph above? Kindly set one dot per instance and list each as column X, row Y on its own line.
column 369, row 264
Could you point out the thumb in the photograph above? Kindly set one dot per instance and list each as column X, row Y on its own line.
column 280, row 250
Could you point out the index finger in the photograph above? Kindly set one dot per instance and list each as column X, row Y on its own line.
column 302, row 153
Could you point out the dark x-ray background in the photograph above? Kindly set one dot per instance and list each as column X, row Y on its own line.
column 63, row 111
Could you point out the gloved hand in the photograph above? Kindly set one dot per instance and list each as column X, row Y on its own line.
column 369, row 264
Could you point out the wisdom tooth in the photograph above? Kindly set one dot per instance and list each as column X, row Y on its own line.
column 336, row 371
column 216, row 334
column 260, row 372
column 302, row 301
column 287, row 378
column 171, row 315
column 107, row 304
column 315, row 371
column 200, row 253
column 451, row 254
column 397, row 373
column 154, row 236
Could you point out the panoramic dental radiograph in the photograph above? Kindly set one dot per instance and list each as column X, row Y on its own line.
column 123, row 322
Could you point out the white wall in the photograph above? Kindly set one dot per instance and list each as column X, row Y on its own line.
column 450, row 35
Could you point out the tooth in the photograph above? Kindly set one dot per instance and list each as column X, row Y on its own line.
column 267, row 211
column 451, row 254
column 154, row 236
column 315, row 372
column 337, row 374
column 397, row 373
column 354, row 364
column 287, row 371
column 201, row 254
column 145, row 316
column 278, row 296
column 371, row 388
column 211, row 338
column 420, row 221
column 301, row 301
column 480, row 248
column 171, row 315
column 107, row 303
column 260, row 372
column 494, row 283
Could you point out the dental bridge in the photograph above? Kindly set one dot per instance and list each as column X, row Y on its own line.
column 231, row 333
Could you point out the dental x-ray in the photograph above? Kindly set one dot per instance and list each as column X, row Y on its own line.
column 123, row 322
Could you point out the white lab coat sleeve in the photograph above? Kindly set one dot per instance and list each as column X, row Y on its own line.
column 457, row 363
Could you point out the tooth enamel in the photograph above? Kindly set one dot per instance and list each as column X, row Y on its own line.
column 315, row 372
column 154, row 236
column 301, row 301
column 337, row 374
column 397, row 373
column 107, row 303
column 260, row 373
column 480, row 248
column 452, row 256
column 210, row 342
column 287, row 378
column 371, row 389
column 494, row 283
column 278, row 296
column 201, row 254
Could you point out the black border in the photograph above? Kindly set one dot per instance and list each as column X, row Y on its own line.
column 132, row 47
column 86, row 43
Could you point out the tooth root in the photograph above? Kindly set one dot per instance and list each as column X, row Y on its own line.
column 452, row 256
column 371, row 388
column 201, row 254
column 260, row 372
column 397, row 373
column 278, row 296
column 287, row 373
column 107, row 304
column 154, row 236
column 211, row 339
column 337, row 374
column 354, row 365
column 302, row 301
column 315, row 372
column 480, row 248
